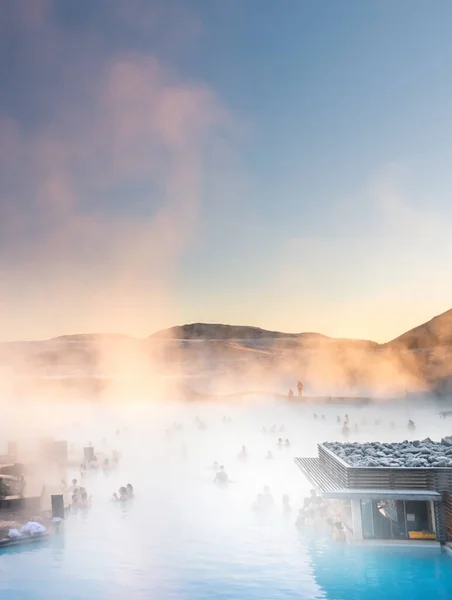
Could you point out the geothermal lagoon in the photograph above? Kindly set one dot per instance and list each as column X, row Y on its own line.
column 184, row 538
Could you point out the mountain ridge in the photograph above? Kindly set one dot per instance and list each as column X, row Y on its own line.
column 435, row 332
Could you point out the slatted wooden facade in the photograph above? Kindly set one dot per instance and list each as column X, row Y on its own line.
column 390, row 478
column 447, row 504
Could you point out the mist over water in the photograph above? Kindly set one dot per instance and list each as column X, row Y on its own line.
column 182, row 536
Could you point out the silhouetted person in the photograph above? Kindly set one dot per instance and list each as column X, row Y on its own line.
column 286, row 505
column 290, row 395
column 300, row 389
column 221, row 478
column 243, row 455
column 338, row 532
column 122, row 495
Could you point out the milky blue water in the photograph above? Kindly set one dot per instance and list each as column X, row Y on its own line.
column 183, row 538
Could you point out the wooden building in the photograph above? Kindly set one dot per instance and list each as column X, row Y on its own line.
column 384, row 503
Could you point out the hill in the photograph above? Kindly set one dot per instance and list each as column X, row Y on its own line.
column 231, row 357
column 219, row 331
column 433, row 333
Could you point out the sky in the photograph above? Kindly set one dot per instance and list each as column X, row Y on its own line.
column 278, row 164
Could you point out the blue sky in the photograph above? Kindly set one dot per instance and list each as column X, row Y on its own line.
column 281, row 164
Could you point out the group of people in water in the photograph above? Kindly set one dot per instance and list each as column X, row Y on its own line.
column 107, row 463
column 79, row 496
column 315, row 512
column 79, row 500
column 125, row 493
column 346, row 427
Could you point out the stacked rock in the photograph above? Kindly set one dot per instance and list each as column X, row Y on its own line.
column 417, row 453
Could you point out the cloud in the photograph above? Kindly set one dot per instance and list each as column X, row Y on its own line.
column 107, row 186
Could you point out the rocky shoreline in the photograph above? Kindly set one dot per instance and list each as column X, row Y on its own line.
column 410, row 454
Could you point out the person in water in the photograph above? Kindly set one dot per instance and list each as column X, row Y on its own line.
column 267, row 498
column 129, row 491
column 85, row 502
column 269, row 456
column 338, row 532
column 94, row 464
column 75, row 505
column 280, row 443
column 287, row 443
column 243, row 455
column 74, row 487
column 221, row 478
column 122, row 495
column 286, row 506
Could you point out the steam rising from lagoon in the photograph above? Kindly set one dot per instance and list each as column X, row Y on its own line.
column 182, row 535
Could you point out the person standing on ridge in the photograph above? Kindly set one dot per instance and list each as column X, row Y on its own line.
column 300, row 389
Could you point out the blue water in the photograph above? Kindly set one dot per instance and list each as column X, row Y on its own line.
column 182, row 538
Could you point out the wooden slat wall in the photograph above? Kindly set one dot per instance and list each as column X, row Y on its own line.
column 312, row 469
column 439, row 479
column 447, row 501
column 334, row 467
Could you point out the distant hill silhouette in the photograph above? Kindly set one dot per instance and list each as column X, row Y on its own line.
column 218, row 331
column 433, row 333
column 418, row 359
column 90, row 337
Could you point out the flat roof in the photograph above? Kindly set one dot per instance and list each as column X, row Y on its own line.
column 328, row 488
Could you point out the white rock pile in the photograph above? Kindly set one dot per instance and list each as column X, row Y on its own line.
column 417, row 453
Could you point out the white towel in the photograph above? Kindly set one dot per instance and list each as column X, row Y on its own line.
column 32, row 528
column 14, row 533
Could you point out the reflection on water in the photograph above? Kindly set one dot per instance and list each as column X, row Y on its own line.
column 184, row 538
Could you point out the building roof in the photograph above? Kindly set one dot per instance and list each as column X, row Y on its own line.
column 328, row 488
column 408, row 454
